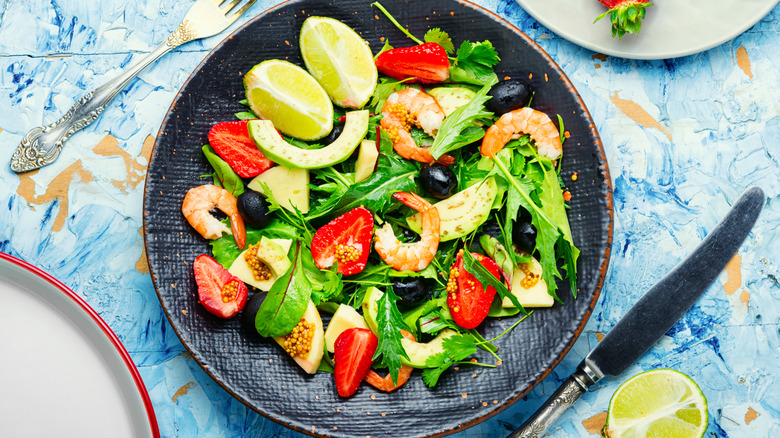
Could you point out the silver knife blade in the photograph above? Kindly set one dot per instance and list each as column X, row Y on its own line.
column 655, row 312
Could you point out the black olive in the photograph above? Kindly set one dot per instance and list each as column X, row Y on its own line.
column 491, row 228
column 509, row 95
column 250, row 312
column 334, row 134
column 524, row 236
column 254, row 208
column 438, row 180
column 409, row 236
column 411, row 290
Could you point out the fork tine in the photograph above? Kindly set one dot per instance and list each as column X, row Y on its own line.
column 241, row 11
column 230, row 7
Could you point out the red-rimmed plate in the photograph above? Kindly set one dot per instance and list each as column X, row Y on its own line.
column 63, row 372
column 256, row 371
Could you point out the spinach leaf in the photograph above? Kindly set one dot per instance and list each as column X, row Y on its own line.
column 287, row 300
column 224, row 175
column 458, row 128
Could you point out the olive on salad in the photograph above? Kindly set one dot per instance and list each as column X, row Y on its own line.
column 509, row 95
column 254, row 208
column 438, row 180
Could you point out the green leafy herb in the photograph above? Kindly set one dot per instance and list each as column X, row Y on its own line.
column 224, row 176
column 384, row 89
column 396, row 23
column 485, row 277
column 458, row 128
column 375, row 193
column 287, row 300
column 456, row 349
column 245, row 115
column 385, row 48
column 389, row 326
column 474, row 64
column 294, row 218
column 441, row 38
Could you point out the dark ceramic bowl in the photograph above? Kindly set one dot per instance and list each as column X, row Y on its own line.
column 256, row 371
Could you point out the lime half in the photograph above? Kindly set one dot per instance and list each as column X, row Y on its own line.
column 340, row 60
column 289, row 97
column 657, row 404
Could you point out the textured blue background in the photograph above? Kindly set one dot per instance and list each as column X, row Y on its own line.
column 683, row 138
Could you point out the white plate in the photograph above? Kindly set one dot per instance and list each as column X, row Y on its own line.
column 670, row 29
column 63, row 372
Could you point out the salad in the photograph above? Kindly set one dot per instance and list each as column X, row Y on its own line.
column 410, row 205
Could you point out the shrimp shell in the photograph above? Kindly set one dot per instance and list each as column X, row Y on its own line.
column 410, row 256
column 520, row 122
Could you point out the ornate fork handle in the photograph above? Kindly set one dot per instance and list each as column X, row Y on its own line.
column 569, row 392
column 43, row 144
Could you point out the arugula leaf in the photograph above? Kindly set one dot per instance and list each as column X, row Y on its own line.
column 375, row 193
column 224, row 175
column 474, row 64
column 458, row 130
column 441, row 38
column 287, row 300
column 456, row 348
column 389, row 326
column 484, row 276
column 553, row 203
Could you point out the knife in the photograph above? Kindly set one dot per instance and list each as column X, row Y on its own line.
column 654, row 314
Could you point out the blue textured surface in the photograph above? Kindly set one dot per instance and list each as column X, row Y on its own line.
column 683, row 138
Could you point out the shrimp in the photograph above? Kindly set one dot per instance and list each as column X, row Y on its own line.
column 200, row 200
column 410, row 256
column 412, row 107
column 519, row 122
column 386, row 383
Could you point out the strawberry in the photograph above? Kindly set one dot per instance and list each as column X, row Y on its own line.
column 468, row 301
column 626, row 15
column 427, row 63
column 353, row 353
column 218, row 290
column 231, row 141
column 346, row 239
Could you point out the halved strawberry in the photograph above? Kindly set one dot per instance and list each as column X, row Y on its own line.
column 346, row 239
column 427, row 63
column 353, row 353
column 220, row 292
column 626, row 15
column 468, row 301
column 231, row 141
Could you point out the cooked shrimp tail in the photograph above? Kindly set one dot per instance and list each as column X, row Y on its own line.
column 197, row 206
column 523, row 121
column 412, row 107
column 386, row 383
column 410, row 256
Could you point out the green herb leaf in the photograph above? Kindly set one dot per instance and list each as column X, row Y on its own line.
column 375, row 193
column 389, row 326
column 224, row 175
column 396, row 23
column 287, row 300
column 458, row 128
column 456, row 348
column 474, row 64
column 441, row 38
column 384, row 89
column 385, row 48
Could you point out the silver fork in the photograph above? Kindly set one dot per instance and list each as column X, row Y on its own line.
column 43, row 144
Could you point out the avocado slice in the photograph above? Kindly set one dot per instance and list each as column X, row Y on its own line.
column 289, row 187
column 463, row 212
column 366, row 161
column 273, row 146
column 345, row 318
column 452, row 98
column 310, row 361
column 272, row 253
column 535, row 295
column 418, row 352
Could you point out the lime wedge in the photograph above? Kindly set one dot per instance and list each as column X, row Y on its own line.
column 340, row 60
column 657, row 404
column 289, row 97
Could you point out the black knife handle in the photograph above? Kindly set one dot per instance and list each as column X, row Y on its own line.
column 568, row 393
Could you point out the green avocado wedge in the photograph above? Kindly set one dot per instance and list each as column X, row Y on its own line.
column 273, row 146
column 418, row 352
